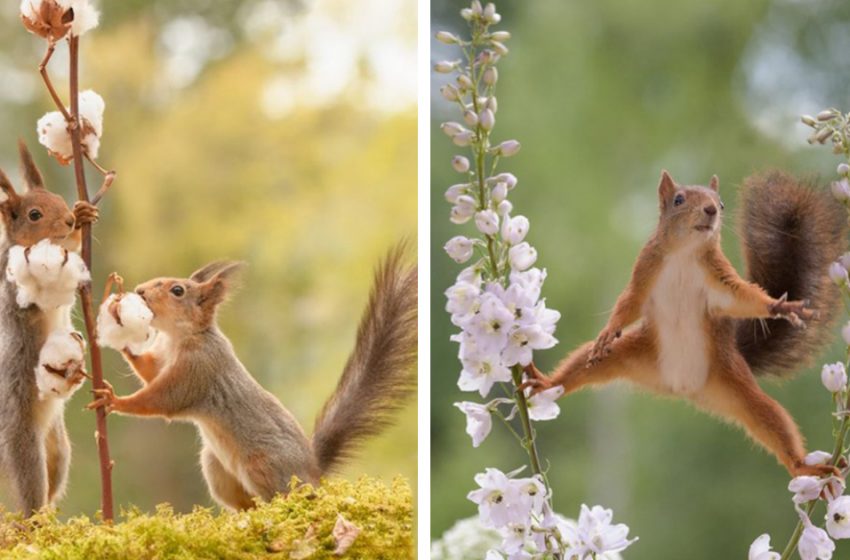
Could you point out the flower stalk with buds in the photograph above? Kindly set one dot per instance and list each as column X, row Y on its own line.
column 496, row 304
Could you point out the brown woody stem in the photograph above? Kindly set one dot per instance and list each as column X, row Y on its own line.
column 42, row 69
column 86, row 288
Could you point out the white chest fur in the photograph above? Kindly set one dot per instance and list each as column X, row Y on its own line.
column 677, row 307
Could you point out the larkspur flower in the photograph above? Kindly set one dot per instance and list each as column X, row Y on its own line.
column 817, row 458
column 480, row 372
column 542, row 406
column 815, row 544
column 478, row 421
column 522, row 341
column 838, row 274
column 496, row 498
column 838, row 518
column 487, row 222
column 515, row 229
column 459, row 248
column 806, row 488
column 491, row 324
column 522, row 256
column 834, row 377
column 597, row 535
column 761, row 550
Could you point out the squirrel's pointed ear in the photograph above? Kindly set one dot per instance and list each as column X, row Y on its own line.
column 206, row 272
column 32, row 176
column 666, row 187
column 214, row 290
column 714, row 184
column 8, row 196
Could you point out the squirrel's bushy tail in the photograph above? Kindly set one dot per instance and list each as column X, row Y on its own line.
column 791, row 231
column 381, row 371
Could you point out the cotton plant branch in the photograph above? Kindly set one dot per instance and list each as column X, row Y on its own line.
column 497, row 306
column 54, row 20
column 809, row 540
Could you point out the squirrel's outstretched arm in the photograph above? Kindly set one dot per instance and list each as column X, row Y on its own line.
column 627, row 310
column 735, row 297
column 165, row 396
column 732, row 392
column 145, row 366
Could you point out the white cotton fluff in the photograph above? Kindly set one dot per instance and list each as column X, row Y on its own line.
column 30, row 9
column 53, row 130
column 86, row 17
column 62, row 352
column 134, row 330
column 47, row 276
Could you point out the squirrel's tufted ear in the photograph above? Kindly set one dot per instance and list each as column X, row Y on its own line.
column 206, row 272
column 714, row 184
column 8, row 196
column 666, row 188
column 214, row 290
column 32, row 176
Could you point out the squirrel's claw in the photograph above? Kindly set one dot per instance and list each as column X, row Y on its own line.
column 85, row 213
column 105, row 397
column 602, row 346
column 795, row 312
column 536, row 380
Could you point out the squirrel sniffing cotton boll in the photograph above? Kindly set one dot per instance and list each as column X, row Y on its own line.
column 61, row 365
column 45, row 274
column 124, row 322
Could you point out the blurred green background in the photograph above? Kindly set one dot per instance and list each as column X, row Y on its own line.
column 603, row 94
column 278, row 133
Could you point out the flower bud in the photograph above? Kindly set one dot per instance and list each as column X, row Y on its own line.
column 522, row 256
column 470, row 117
column 507, row 178
column 459, row 248
column 450, row 93
column 843, row 169
column 826, row 116
column 487, row 120
column 490, row 14
column 487, row 222
column 460, row 164
column 447, row 38
column 452, row 129
column 507, row 148
column 476, row 7
column 487, row 57
column 499, row 48
column 809, row 120
column 841, row 190
column 834, row 377
column 446, row 67
column 823, row 135
column 466, row 14
column 465, row 82
column 491, row 76
column 460, row 214
column 499, row 192
column 463, row 139
column 500, row 36
column 504, row 208
column 455, row 191
column 491, row 104
column 838, row 274
column 515, row 229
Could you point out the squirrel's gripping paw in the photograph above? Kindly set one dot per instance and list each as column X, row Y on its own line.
column 104, row 397
column 795, row 312
column 85, row 213
column 535, row 379
column 602, row 346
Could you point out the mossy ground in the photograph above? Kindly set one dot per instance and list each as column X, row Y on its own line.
column 298, row 525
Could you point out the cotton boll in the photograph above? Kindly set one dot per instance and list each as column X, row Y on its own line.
column 124, row 321
column 60, row 365
column 91, row 109
column 86, row 17
column 53, row 135
column 45, row 275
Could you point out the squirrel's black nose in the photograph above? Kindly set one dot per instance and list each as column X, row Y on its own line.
column 711, row 209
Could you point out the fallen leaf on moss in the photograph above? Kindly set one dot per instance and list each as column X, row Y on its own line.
column 344, row 534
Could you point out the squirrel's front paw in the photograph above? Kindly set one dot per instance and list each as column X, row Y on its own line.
column 85, row 213
column 535, row 379
column 104, row 397
column 795, row 312
column 602, row 346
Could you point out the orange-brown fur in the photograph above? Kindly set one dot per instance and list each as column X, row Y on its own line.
column 628, row 346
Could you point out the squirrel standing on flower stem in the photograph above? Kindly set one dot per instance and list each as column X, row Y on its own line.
column 253, row 446
column 687, row 325
column 34, row 450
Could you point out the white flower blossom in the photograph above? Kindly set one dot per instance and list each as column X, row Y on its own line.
column 817, row 458
column 761, row 550
column 838, row 518
column 542, row 406
column 496, row 498
column 478, row 420
column 522, row 341
column 596, row 535
column 806, row 488
column 834, row 377
column 487, row 222
column 515, row 229
column 838, row 274
column 481, row 372
column 815, row 544
column 490, row 326
column 459, row 248
column 522, row 256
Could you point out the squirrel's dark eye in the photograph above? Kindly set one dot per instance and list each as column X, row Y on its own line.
column 34, row 215
column 177, row 291
column 680, row 199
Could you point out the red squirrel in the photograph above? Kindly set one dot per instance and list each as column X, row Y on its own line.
column 688, row 325
column 252, row 445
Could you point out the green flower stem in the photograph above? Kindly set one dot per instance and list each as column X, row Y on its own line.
column 529, row 442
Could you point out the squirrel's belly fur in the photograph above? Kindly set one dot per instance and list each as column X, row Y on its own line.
column 676, row 310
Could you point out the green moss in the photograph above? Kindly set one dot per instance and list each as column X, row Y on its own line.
column 298, row 525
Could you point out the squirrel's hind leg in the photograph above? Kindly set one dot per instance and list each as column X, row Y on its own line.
column 58, row 454
column 632, row 357
column 224, row 487
column 733, row 393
